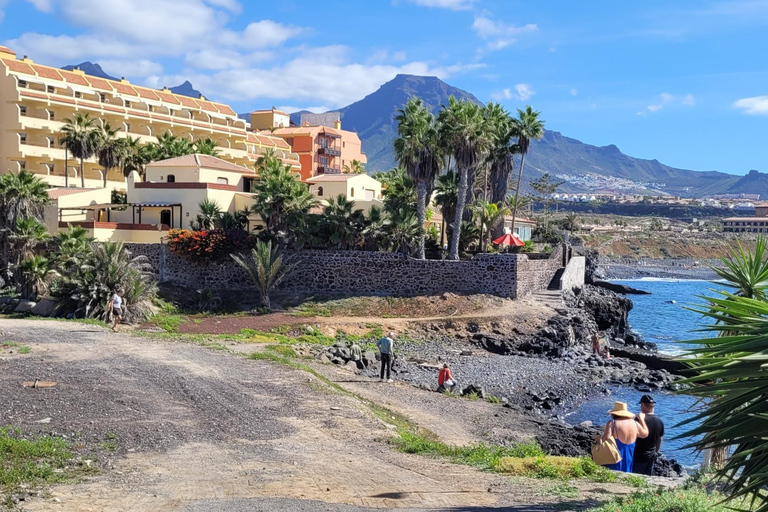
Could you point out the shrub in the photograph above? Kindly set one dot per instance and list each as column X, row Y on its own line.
column 210, row 245
column 672, row 500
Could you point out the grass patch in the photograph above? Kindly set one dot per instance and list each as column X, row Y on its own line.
column 20, row 349
column 283, row 350
column 635, row 481
column 563, row 468
column 169, row 322
column 33, row 461
column 673, row 500
column 561, row 490
column 311, row 309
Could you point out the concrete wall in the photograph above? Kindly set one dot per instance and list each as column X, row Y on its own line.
column 573, row 276
column 368, row 273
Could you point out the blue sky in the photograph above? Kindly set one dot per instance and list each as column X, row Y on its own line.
column 684, row 82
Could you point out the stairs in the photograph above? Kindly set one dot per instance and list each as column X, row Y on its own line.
column 551, row 298
column 554, row 284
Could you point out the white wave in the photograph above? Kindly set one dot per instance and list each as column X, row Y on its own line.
column 659, row 279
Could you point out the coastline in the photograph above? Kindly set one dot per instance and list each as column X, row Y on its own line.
column 659, row 269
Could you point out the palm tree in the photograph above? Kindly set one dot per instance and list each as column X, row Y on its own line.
column 354, row 167
column 418, row 151
column 462, row 130
column 342, row 224
column 403, row 229
column 526, row 126
column 446, row 197
column 398, row 190
column 375, row 230
column 71, row 247
column 244, row 217
column 209, row 212
column 29, row 233
column 265, row 267
column 80, row 136
column 111, row 151
column 37, row 272
column 134, row 156
column 206, row 146
column 501, row 152
column 488, row 215
column 227, row 222
column 571, row 222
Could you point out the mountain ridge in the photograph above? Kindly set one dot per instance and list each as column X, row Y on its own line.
column 94, row 69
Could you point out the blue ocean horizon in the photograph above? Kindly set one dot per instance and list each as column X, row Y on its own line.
column 662, row 318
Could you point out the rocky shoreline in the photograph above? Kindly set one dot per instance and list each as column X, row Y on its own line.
column 543, row 372
column 658, row 269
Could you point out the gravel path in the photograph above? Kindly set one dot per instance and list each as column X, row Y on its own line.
column 208, row 430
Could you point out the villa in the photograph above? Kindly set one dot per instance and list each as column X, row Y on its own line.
column 35, row 100
column 360, row 188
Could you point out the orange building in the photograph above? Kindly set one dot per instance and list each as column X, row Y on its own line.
column 321, row 149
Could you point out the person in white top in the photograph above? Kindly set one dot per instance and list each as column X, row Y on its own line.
column 117, row 307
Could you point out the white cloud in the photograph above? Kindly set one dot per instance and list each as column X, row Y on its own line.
column 292, row 108
column 574, row 92
column 756, row 105
column 520, row 92
column 454, row 5
column 654, row 108
column 42, row 5
column 131, row 67
column 688, row 100
column 668, row 100
column 666, row 97
column 498, row 34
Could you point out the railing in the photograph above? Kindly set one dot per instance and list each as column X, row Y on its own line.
column 322, row 169
column 329, row 151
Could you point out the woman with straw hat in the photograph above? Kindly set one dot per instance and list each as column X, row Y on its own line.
column 625, row 431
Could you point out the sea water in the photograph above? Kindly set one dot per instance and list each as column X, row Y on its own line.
column 661, row 318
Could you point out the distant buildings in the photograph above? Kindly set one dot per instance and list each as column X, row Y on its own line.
column 360, row 188
column 756, row 224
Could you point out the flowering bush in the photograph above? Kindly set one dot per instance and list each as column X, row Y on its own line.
column 209, row 245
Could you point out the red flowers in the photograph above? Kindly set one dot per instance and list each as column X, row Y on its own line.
column 210, row 245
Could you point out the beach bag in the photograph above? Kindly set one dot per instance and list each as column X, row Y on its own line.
column 605, row 452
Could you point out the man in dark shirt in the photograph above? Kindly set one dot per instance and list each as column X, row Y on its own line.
column 649, row 447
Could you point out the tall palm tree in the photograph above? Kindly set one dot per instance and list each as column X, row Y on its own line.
column 342, row 224
column 462, row 131
column 398, row 190
column 206, row 146
column 447, row 194
column 134, row 157
column 501, row 152
column 111, row 151
column 80, row 136
column 526, row 126
column 417, row 148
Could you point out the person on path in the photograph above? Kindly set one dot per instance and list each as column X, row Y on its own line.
column 357, row 355
column 386, row 350
column 445, row 380
column 625, row 431
column 116, row 307
column 648, row 448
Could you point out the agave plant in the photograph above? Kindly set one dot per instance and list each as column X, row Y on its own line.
column 746, row 272
column 265, row 267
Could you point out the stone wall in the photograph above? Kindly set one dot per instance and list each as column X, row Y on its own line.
column 573, row 276
column 367, row 273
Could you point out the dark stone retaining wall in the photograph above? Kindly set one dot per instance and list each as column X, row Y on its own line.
column 367, row 273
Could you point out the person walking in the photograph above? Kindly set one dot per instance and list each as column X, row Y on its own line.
column 386, row 350
column 116, row 307
column 357, row 355
column 445, row 380
column 648, row 448
column 625, row 432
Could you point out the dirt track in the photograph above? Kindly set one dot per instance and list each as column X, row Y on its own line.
column 198, row 429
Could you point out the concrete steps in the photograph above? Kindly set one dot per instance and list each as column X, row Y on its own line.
column 552, row 298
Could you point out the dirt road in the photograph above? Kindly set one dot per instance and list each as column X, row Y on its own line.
column 197, row 429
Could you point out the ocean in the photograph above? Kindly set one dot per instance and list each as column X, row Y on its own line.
column 661, row 318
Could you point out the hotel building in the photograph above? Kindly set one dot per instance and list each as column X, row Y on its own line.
column 35, row 100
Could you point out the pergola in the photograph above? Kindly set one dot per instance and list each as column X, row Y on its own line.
column 108, row 207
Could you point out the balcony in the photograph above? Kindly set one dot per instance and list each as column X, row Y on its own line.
column 322, row 169
column 329, row 151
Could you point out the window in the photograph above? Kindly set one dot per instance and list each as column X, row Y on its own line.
column 352, row 192
column 222, row 181
column 51, row 115
column 171, row 111
column 320, row 191
column 23, row 110
column 22, row 138
column 127, row 103
column 150, row 108
column 324, row 161
column 127, row 127
column 51, row 142
column 78, row 94
column 51, row 89
column 49, row 167
column 171, row 178
column 343, row 144
column 22, row 165
column 23, row 83
column 165, row 217
column 102, row 97
column 247, row 185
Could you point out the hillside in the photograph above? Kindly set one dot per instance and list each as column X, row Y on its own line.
column 93, row 69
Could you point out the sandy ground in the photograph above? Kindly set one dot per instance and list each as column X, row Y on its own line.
column 198, row 429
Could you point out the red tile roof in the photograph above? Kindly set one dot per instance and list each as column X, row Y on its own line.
column 187, row 101
column 124, row 88
column 47, row 72
column 73, row 78
column 18, row 66
column 98, row 83
column 55, row 193
column 321, row 178
column 147, row 93
column 225, row 109
column 30, row 94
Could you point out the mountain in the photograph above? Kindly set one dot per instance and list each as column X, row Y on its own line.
column 91, row 68
column 186, row 89
column 582, row 167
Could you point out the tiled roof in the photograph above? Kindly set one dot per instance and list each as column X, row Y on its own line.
column 73, row 78
column 147, row 93
column 124, row 88
column 204, row 161
column 47, row 72
column 306, row 130
column 98, row 83
column 324, row 178
column 55, row 193
column 19, row 66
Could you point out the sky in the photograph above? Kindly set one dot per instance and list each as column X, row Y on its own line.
column 683, row 82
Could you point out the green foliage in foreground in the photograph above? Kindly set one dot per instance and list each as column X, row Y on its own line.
column 30, row 461
column 673, row 500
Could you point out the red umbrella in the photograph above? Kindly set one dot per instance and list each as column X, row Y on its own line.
column 509, row 239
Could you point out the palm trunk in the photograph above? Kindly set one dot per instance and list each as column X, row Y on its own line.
column 517, row 192
column 82, row 175
column 421, row 214
column 499, row 186
column 460, row 202
column 105, row 177
column 66, row 166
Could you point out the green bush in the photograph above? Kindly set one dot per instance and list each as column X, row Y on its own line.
column 673, row 500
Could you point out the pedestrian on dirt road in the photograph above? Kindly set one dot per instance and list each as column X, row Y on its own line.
column 386, row 350
column 357, row 355
column 445, row 380
column 116, row 307
column 648, row 449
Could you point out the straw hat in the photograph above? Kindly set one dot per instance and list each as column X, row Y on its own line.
column 620, row 409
